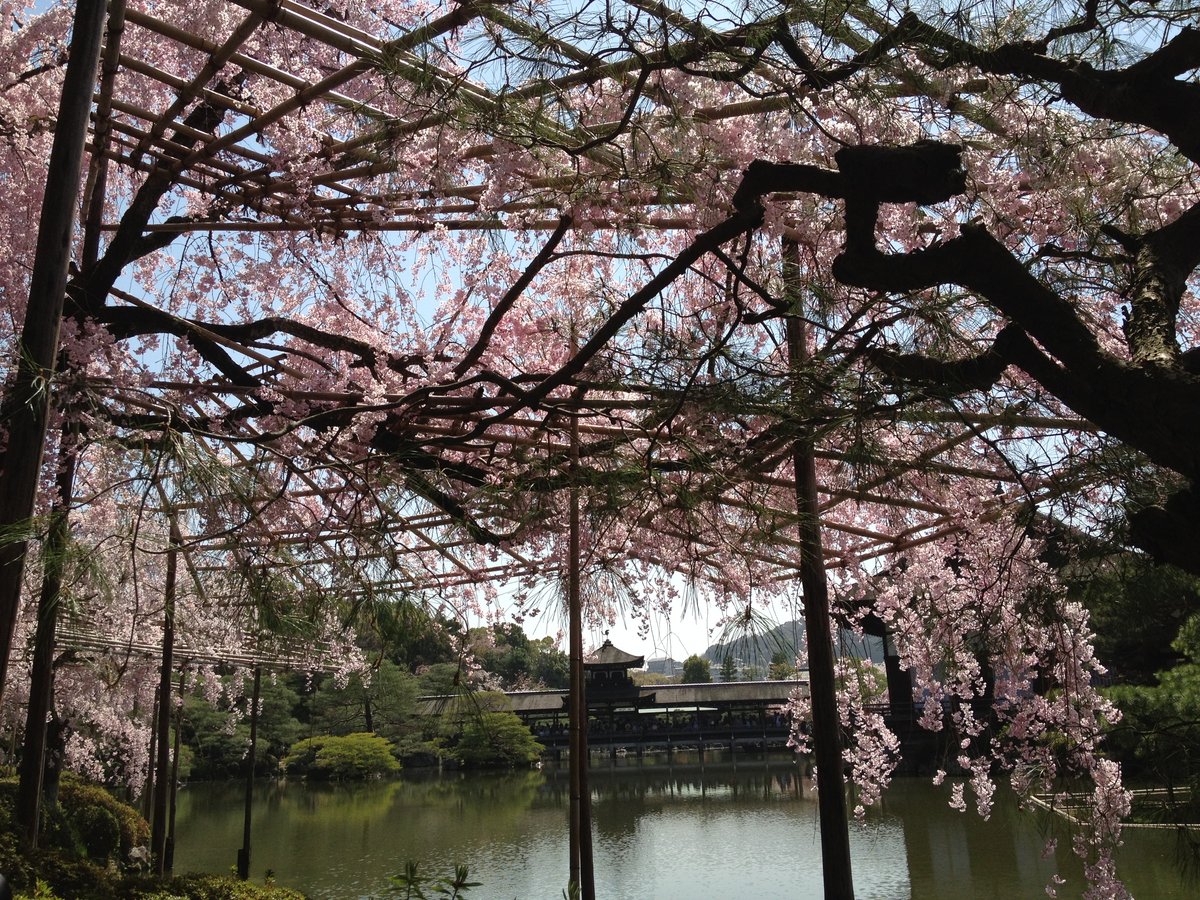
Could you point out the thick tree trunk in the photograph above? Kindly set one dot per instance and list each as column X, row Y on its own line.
column 41, row 678
column 27, row 404
column 826, row 725
column 162, row 767
column 57, row 733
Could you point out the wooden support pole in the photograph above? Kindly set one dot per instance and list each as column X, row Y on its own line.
column 826, row 725
column 147, row 801
column 169, row 855
column 162, row 767
column 41, row 677
column 27, row 402
column 582, row 872
column 243, row 862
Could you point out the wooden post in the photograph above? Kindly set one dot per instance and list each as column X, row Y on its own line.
column 162, row 767
column 41, row 678
column 827, row 739
column 147, row 801
column 170, row 851
column 27, row 402
column 582, row 872
column 243, row 862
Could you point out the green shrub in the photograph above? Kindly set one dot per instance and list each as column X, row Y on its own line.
column 481, row 730
column 75, row 795
column 496, row 739
column 70, row 877
column 99, row 832
column 41, row 891
column 214, row 887
column 14, row 863
column 333, row 757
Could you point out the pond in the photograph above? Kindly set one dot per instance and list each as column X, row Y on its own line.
column 672, row 829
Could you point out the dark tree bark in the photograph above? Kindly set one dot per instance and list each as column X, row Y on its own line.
column 27, row 401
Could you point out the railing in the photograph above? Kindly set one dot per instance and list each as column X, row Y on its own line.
column 672, row 737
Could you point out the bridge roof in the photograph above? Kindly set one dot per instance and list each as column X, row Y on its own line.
column 722, row 692
column 653, row 697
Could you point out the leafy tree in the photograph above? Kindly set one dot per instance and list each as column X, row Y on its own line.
column 1158, row 737
column 441, row 679
column 219, row 736
column 696, row 670
column 341, row 757
column 781, row 668
column 507, row 652
column 382, row 702
column 728, row 668
column 217, row 740
column 480, row 729
column 1137, row 610
column 496, row 739
column 551, row 666
column 412, row 637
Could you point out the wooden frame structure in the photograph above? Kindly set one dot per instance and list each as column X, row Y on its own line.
column 350, row 185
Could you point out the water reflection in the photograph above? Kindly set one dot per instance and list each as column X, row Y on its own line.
column 675, row 829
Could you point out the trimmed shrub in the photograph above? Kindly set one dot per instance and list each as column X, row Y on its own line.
column 99, row 832
column 334, row 757
column 496, row 739
column 70, row 877
column 75, row 796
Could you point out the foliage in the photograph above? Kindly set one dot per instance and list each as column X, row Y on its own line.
column 382, row 701
column 214, row 887
column 83, row 802
column 728, row 667
column 416, row 886
column 341, row 757
column 405, row 632
column 1159, row 734
column 519, row 662
column 696, row 670
column 781, row 668
column 441, row 680
column 88, row 825
column 480, row 730
column 1137, row 610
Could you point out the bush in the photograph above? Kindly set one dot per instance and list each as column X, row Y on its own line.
column 214, row 887
column 69, row 877
column 497, row 739
column 333, row 757
column 482, row 730
column 99, row 832
column 13, row 861
column 78, row 800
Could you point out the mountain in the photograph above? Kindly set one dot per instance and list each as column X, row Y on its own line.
column 754, row 650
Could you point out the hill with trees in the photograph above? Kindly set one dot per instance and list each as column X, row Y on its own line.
column 758, row 649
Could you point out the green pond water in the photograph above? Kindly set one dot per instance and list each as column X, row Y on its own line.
column 678, row 829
